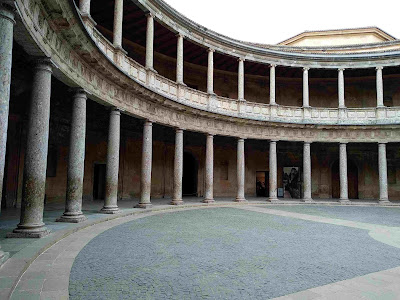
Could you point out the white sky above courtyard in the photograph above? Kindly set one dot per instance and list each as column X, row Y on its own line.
column 270, row 22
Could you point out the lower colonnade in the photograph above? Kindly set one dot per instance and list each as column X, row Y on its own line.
column 32, row 206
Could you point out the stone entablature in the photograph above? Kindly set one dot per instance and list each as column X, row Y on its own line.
column 121, row 82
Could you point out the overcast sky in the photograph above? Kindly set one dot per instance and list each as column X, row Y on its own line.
column 272, row 21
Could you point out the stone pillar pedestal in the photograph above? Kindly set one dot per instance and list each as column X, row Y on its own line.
column 273, row 172
column 112, row 167
column 383, row 184
column 209, row 192
column 147, row 153
column 307, row 172
column 344, row 196
column 34, row 182
column 240, row 197
column 178, row 168
column 76, row 161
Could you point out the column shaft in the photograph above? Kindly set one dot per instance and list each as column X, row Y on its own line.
column 209, row 178
column 344, row 197
column 84, row 7
column 272, row 99
column 178, row 168
column 210, row 72
column 241, row 79
column 341, row 88
column 76, row 161
column 149, row 42
column 35, row 164
column 118, row 18
column 179, row 60
column 383, row 184
column 379, row 87
column 6, row 43
column 307, row 172
column 306, row 100
column 273, row 172
column 147, row 154
column 240, row 197
column 112, row 166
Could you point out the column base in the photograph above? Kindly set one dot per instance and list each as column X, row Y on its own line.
column 176, row 202
column 29, row 233
column 240, row 200
column 344, row 201
column 110, row 210
column 3, row 257
column 72, row 218
column 308, row 200
column 151, row 69
column 208, row 201
column 143, row 205
column 384, row 202
column 273, row 200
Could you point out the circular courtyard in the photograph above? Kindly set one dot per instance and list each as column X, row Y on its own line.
column 238, row 252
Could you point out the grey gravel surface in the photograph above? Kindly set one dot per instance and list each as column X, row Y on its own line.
column 388, row 216
column 222, row 253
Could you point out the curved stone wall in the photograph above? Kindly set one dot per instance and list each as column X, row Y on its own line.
column 85, row 58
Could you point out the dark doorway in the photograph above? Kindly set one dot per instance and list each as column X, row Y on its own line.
column 99, row 182
column 262, row 184
column 352, row 180
column 190, row 168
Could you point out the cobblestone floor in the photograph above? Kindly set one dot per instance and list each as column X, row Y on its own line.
column 227, row 253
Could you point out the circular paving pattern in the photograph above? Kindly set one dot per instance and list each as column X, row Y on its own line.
column 225, row 253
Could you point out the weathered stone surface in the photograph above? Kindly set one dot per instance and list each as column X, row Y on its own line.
column 178, row 168
column 273, row 169
column 240, row 197
column 209, row 176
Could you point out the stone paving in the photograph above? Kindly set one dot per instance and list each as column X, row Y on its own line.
column 47, row 276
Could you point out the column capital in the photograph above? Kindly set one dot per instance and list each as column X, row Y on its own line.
column 179, row 129
column 211, row 49
column 44, row 63
column 241, row 139
column 149, row 15
column 382, row 143
column 307, row 143
column 115, row 110
column 379, row 68
column 306, row 69
column 180, row 34
column 274, row 141
column 241, row 59
column 7, row 10
column 148, row 122
column 210, row 135
column 272, row 65
column 341, row 69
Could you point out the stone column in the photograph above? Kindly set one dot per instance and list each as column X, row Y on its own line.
column 84, row 7
column 241, row 79
column 273, row 172
column 379, row 87
column 149, row 42
column 341, row 88
column 344, row 197
column 147, row 152
column 178, row 168
column 272, row 100
column 112, row 166
column 307, row 172
column 306, row 100
column 34, row 182
column 240, row 171
column 179, row 60
column 118, row 18
column 383, row 184
column 6, row 43
column 210, row 72
column 76, row 161
column 209, row 192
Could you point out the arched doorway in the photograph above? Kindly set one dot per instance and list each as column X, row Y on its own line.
column 190, row 168
column 352, row 180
